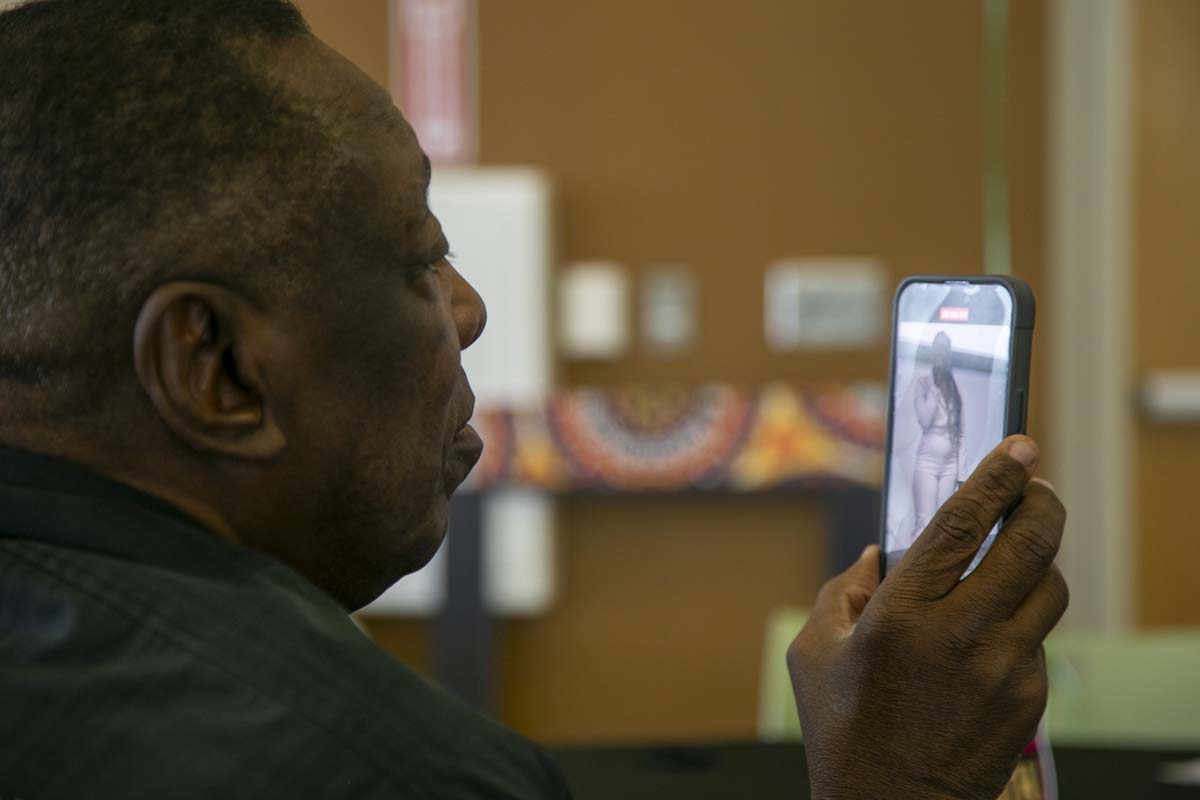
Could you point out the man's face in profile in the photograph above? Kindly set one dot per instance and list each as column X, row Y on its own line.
column 378, row 398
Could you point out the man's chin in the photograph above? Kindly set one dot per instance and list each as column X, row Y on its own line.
column 424, row 549
column 417, row 550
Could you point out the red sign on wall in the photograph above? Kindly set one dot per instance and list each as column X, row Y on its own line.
column 434, row 75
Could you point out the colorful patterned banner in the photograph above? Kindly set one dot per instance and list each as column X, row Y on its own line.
column 717, row 437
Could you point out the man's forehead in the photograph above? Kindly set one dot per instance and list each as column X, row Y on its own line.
column 357, row 109
column 392, row 173
column 385, row 131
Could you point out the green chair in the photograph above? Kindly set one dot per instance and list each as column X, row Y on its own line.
column 1140, row 689
column 1133, row 690
column 777, row 720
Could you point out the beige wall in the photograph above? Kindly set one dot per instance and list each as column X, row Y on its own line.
column 1167, row 304
column 721, row 135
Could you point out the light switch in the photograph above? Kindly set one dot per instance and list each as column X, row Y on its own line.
column 668, row 310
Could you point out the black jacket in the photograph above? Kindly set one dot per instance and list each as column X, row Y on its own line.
column 143, row 657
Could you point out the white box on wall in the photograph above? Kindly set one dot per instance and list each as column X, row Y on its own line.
column 824, row 302
column 593, row 310
column 518, row 553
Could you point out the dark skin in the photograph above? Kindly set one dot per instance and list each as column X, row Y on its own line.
column 925, row 687
column 332, row 439
column 329, row 439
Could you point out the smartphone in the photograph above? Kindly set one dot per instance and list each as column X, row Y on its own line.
column 959, row 384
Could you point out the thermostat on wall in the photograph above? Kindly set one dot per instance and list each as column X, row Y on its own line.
column 834, row 302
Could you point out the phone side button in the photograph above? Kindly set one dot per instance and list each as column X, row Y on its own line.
column 1021, row 409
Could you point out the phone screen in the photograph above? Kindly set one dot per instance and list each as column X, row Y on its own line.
column 949, row 390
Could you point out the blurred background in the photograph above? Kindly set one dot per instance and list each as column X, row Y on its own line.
column 687, row 219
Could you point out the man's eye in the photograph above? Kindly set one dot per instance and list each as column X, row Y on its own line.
column 448, row 258
column 435, row 265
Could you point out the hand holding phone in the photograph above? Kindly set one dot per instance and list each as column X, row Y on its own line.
column 958, row 385
column 927, row 685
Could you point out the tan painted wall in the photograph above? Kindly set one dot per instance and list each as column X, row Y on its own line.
column 1167, row 263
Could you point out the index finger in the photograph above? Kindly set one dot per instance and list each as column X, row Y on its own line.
column 943, row 551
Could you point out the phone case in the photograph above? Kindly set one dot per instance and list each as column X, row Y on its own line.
column 1020, row 353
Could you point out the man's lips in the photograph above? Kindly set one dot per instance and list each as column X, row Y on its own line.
column 466, row 447
column 465, row 450
column 467, row 439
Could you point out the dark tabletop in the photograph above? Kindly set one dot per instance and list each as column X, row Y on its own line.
column 752, row 770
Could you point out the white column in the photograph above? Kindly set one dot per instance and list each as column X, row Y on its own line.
column 1088, row 317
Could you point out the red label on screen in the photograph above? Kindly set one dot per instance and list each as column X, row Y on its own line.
column 951, row 314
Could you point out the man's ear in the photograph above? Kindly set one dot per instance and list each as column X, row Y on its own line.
column 199, row 352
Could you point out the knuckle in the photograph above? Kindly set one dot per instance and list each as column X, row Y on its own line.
column 999, row 668
column 795, row 657
column 1056, row 509
column 832, row 588
column 1060, row 590
column 1036, row 542
column 959, row 522
column 1004, row 475
column 977, row 509
column 795, row 650
column 957, row 630
column 991, row 498
column 1046, row 502
column 961, row 643
column 799, row 653
column 1034, row 690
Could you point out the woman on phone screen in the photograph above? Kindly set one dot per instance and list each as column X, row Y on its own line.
column 939, row 412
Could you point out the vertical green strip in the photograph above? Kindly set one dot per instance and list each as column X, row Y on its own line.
column 997, row 258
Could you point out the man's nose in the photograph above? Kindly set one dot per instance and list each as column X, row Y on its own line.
column 470, row 314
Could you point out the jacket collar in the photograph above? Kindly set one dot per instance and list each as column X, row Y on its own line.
column 57, row 501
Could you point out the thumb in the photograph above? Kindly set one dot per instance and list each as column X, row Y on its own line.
column 842, row 599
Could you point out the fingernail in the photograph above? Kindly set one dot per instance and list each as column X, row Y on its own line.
column 869, row 550
column 1045, row 483
column 1025, row 451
